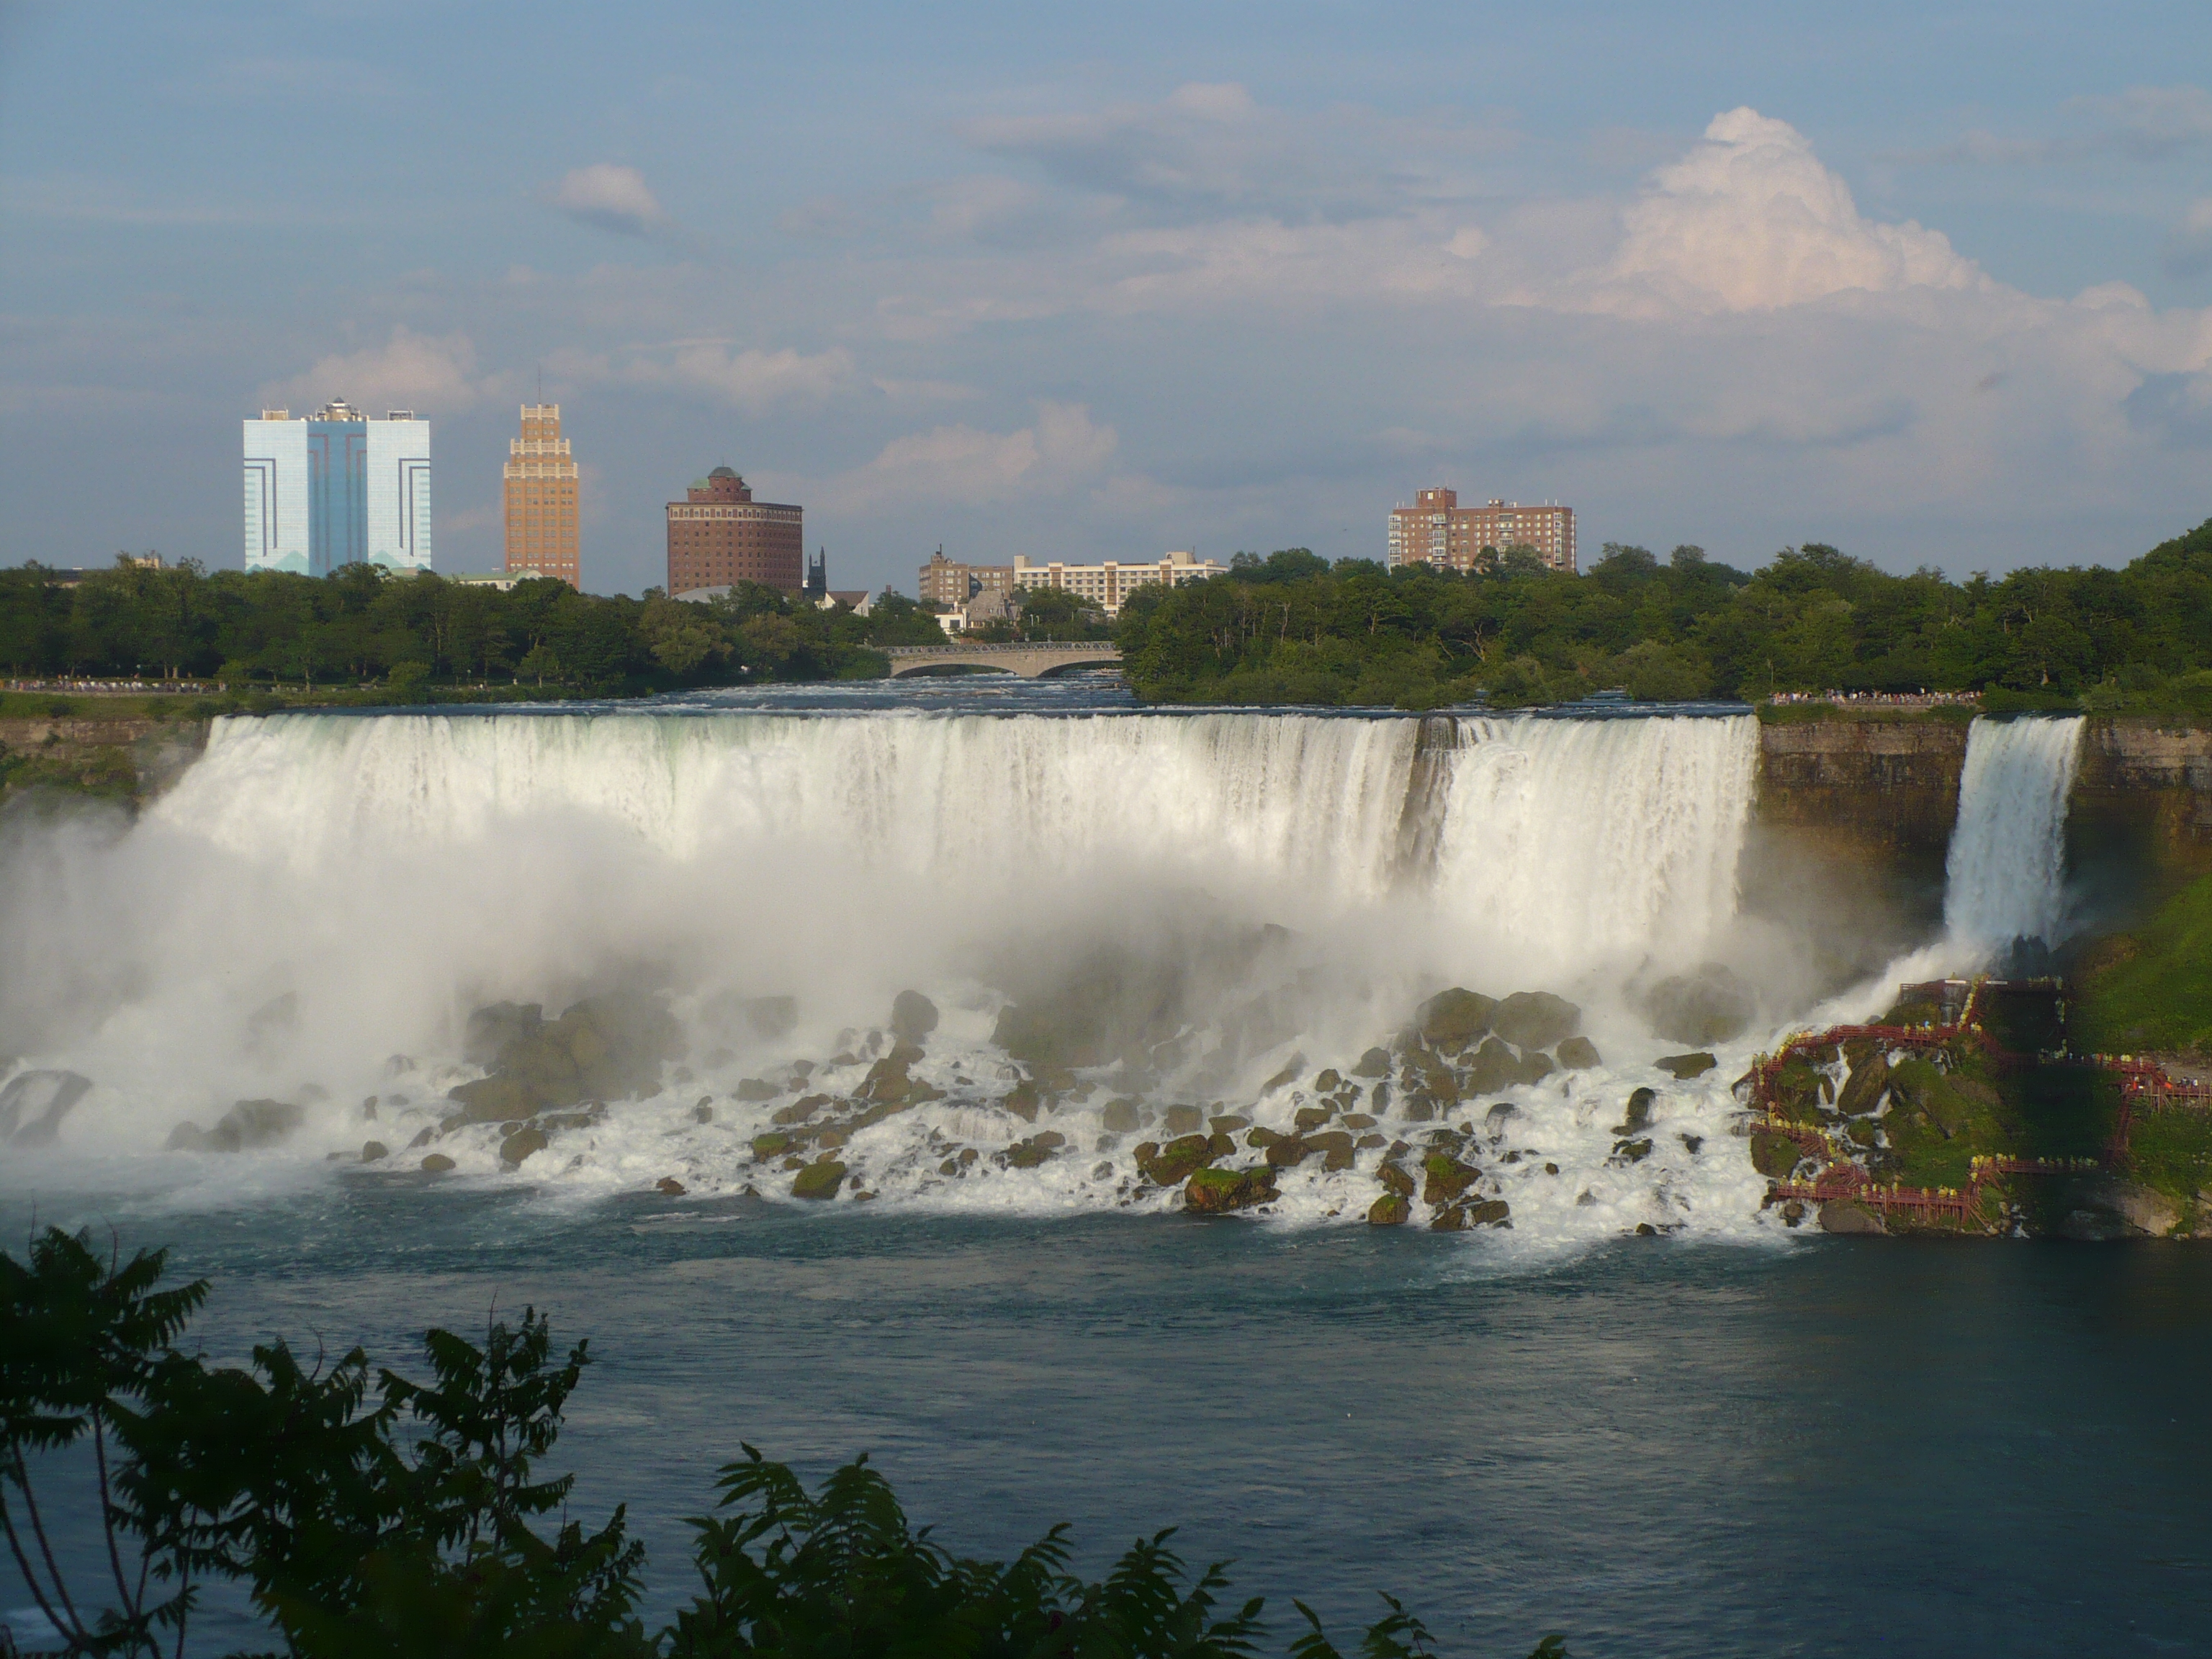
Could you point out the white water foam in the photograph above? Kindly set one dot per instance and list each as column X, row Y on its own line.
column 368, row 879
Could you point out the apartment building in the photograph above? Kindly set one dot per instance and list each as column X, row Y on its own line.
column 952, row 582
column 1108, row 584
column 1436, row 530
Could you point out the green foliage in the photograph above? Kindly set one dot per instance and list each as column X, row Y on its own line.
column 1813, row 619
column 412, row 1525
column 414, row 638
column 2151, row 988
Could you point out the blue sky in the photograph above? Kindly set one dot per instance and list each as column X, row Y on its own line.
column 1931, row 282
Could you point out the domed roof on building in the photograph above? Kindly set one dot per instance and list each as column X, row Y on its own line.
column 723, row 472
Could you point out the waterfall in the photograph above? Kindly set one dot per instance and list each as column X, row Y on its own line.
column 313, row 912
column 2005, row 874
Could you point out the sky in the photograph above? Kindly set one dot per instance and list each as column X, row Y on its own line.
column 1931, row 282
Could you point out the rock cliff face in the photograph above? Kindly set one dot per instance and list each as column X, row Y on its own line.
column 1848, row 834
column 131, row 759
column 2140, row 822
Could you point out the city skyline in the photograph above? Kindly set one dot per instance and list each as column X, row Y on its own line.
column 1742, row 283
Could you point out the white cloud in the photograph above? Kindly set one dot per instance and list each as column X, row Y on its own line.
column 1750, row 219
column 751, row 379
column 612, row 198
column 434, row 375
column 965, row 466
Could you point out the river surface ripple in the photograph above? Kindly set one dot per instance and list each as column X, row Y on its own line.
column 1659, row 1446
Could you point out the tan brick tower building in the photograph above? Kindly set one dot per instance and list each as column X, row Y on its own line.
column 541, row 499
column 719, row 535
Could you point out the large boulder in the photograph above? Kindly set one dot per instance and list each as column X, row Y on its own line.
column 1536, row 1020
column 2112, row 1207
column 492, row 1030
column 1171, row 1164
column 1849, row 1220
column 1492, row 1066
column 1391, row 1210
column 1451, row 1020
column 1375, row 1062
column 1217, row 1191
column 913, row 1017
column 248, row 1124
column 1447, row 1178
column 521, row 1145
column 1034, row 1151
column 1465, row 1218
column 1710, row 1006
column 819, row 1181
column 605, row 1047
column 1683, row 1067
column 34, row 1104
column 1639, row 1115
column 1577, row 1053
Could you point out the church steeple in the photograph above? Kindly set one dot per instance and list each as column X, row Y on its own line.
column 817, row 576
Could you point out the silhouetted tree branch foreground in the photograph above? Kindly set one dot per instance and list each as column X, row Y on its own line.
column 374, row 1515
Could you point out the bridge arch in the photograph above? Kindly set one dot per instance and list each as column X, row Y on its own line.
column 1031, row 660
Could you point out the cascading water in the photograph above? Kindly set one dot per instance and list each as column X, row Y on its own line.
column 2005, row 876
column 310, row 915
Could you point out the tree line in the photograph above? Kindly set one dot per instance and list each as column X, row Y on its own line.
column 363, row 624
column 372, row 1515
column 1291, row 627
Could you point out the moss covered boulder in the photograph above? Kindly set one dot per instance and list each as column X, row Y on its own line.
column 819, row 1181
column 1217, row 1191
column 1171, row 1164
column 1391, row 1210
column 1774, row 1156
column 1466, row 1218
column 1446, row 1178
column 1028, row 1154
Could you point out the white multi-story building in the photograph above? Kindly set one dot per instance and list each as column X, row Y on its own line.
column 336, row 488
column 1108, row 584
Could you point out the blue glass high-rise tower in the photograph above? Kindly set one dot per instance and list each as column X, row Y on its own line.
column 337, row 488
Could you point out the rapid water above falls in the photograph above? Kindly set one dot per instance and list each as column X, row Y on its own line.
column 311, row 916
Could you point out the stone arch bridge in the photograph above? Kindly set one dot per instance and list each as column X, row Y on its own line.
column 1030, row 661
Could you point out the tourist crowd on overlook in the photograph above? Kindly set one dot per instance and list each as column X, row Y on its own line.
column 1883, row 699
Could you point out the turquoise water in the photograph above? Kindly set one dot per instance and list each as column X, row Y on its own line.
column 1836, row 1447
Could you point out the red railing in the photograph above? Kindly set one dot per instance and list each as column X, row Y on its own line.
column 2143, row 1083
